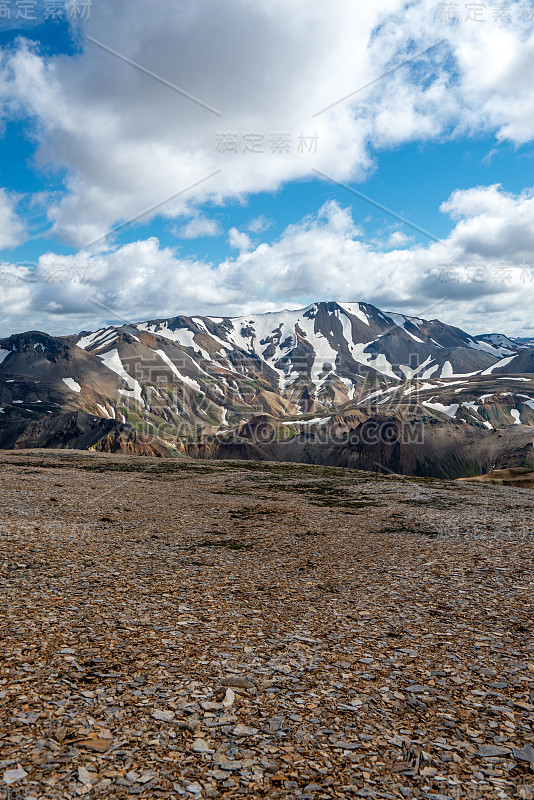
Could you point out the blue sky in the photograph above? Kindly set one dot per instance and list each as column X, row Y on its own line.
column 89, row 140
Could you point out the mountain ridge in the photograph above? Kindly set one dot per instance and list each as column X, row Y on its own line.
column 317, row 369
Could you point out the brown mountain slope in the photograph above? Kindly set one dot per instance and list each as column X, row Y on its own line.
column 523, row 478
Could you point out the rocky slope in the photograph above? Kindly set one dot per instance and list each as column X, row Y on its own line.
column 522, row 478
column 281, row 632
column 417, row 445
column 79, row 431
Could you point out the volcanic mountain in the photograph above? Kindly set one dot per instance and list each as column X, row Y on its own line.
column 207, row 386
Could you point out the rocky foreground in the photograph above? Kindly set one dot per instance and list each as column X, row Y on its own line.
column 188, row 629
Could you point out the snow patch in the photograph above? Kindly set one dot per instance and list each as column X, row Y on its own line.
column 471, row 406
column 502, row 363
column 400, row 321
column 450, row 411
column 99, row 338
column 447, row 371
column 72, row 384
column 354, row 310
column 316, row 421
column 378, row 362
column 376, row 394
column 429, row 372
column 188, row 381
column 112, row 361
column 350, row 386
column 182, row 336
column 492, row 349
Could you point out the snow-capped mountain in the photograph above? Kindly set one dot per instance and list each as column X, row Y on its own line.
column 326, row 341
column 324, row 348
column 500, row 340
column 171, row 377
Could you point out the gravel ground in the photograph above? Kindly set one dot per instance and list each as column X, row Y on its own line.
column 199, row 629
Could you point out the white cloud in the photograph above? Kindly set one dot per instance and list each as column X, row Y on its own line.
column 239, row 240
column 397, row 239
column 259, row 224
column 11, row 227
column 322, row 257
column 16, row 292
column 200, row 226
column 128, row 142
column 493, row 224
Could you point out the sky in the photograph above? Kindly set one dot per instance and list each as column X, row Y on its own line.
column 236, row 157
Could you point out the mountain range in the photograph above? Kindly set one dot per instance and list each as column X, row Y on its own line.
column 289, row 385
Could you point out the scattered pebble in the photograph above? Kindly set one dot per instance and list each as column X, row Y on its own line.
column 374, row 638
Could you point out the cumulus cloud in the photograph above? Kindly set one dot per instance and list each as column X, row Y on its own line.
column 397, row 239
column 492, row 223
column 323, row 257
column 127, row 142
column 200, row 226
column 11, row 227
column 239, row 240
